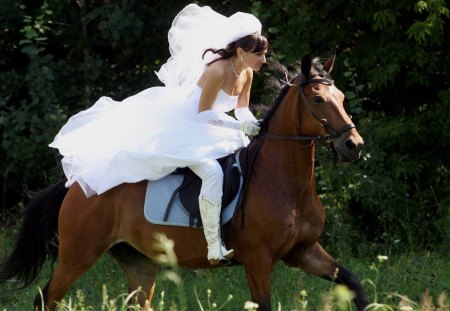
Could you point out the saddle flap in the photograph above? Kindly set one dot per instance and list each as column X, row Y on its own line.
column 189, row 190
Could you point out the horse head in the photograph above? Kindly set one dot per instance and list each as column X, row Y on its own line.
column 321, row 107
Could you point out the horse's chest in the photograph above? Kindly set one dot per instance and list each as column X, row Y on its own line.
column 309, row 219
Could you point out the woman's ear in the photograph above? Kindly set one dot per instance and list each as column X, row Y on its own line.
column 239, row 52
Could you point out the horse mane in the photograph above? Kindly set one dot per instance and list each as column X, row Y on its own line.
column 278, row 85
column 273, row 85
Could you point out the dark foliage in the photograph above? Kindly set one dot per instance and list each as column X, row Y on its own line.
column 59, row 56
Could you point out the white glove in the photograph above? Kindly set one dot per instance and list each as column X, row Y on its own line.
column 251, row 128
column 244, row 114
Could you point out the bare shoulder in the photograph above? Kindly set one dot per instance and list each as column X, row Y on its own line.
column 213, row 73
column 216, row 70
column 247, row 77
column 249, row 73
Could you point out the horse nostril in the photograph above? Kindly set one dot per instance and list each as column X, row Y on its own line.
column 350, row 144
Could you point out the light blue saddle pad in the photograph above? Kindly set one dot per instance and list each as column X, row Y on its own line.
column 157, row 198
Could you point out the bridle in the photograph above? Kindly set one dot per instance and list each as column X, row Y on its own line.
column 330, row 133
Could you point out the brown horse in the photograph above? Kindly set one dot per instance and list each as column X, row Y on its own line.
column 281, row 218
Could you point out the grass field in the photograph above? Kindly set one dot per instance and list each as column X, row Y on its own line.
column 407, row 275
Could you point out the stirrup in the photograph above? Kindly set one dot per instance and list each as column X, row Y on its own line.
column 222, row 260
column 219, row 262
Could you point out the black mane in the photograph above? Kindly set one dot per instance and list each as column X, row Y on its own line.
column 275, row 84
column 269, row 114
column 250, row 153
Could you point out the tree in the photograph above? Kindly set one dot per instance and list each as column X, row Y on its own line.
column 393, row 64
column 59, row 56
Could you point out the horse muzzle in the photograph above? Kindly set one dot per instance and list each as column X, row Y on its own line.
column 349, row 146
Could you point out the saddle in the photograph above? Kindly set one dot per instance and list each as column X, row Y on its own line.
column 189, row 190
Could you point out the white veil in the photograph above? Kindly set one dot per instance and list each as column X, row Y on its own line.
column 194, row 30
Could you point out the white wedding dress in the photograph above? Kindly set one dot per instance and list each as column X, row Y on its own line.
column 152, row 133
column 144, row 137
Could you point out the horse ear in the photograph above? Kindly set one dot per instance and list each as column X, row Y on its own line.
column 306, row 65
column 329, row 63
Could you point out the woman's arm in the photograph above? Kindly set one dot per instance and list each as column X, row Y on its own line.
column 242, row 112
column 244, row 97
column 214, row 78
column 212, row 84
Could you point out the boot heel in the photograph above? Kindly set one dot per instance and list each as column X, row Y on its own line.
column 230, row 254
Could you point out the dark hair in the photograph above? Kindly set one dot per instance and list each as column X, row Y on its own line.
column 251, row 43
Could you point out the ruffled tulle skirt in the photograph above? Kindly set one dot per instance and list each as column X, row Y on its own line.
column 144, row 137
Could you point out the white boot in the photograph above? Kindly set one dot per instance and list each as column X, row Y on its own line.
column 210, row 212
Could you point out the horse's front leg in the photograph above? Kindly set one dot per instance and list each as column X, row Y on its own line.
column 315, row 260
column 258, row 267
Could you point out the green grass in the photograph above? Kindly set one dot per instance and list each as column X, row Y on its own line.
column 407, row 275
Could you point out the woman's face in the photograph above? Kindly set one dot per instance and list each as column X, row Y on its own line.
column 254, row 60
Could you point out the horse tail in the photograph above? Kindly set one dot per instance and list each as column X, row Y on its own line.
column 38, row 236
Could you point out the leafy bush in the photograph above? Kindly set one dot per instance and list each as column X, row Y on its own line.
column 392, row 64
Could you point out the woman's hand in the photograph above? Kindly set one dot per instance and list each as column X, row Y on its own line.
column 250, row 128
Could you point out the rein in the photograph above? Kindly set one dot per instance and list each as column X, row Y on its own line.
column 251, row 152
column 331, row 134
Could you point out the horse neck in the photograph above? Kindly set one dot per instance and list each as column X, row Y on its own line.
column 288, row 160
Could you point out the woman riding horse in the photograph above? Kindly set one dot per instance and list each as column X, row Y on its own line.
column 151, row 134
column 281, row 217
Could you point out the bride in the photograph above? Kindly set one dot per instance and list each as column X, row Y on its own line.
column 183, row 124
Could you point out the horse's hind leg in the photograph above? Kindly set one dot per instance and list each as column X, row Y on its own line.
column 84, row 235
column 65, row 275
column 315, row 260
column 139, row 270
column 76, row 258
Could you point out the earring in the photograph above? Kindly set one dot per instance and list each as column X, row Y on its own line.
column 242, row 58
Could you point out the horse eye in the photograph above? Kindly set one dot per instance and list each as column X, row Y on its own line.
column 317, row 99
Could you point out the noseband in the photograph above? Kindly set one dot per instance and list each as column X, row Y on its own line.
column 331, row 133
